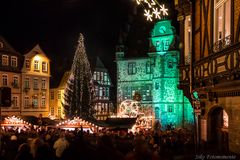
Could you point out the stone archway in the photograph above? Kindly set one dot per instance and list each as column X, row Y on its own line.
column 218, row 129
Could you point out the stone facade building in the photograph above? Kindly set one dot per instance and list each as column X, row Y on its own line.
column 28, row 77
column 155, row 77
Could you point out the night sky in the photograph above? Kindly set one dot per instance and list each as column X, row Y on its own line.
column 56, row 24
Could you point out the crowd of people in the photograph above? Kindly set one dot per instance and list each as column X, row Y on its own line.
column 58, row 144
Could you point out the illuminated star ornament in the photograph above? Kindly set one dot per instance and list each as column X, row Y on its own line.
column 152, row 9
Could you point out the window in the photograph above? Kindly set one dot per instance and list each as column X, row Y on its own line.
column 43, row 102
column 156, row 85
column 100, row 91
column 59, row 111
column 157, row 113
column 35, row 101
column 5, row 60
column 35, row 83
column 43, row 83
column 15, row 101
column 15, row 81
column 222, row 19
column 59, row 95
column 4, row 80
column 27, row 63
column 132, row 68
column 52, row 94
column 148, row 67
column 36, row 65
column 101, row 76
column 14, row 61
column 1, row 45
column 27, row 82
column 170, row 108
column 166, row 45
column 95, row 76
column 52, row 111
column 26, row 102
column 170, row 64
column 44, row 67
column 187, row 39
column 98, row 76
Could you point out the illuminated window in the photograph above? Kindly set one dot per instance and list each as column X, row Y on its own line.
column 1, row 45
column 14, row 61
column 15, row 101
column 95, row 76
column 43, row 102
column 35, row 101
column 4, row 80
column 156, row 85
column 52, row 94
column 27, row 63
column 59, row 111
column 43, row 83
column 52, row 111
column 100, row 91
column 166, row 45
column 222, row 19
column 187, row 39
column 157, row 113
column 44, row 67
column 35, row 83
column 27, row 82
column 26, row 102
column 36, row 65
column 148, row 67
column 5, row 60
column 132, row 68
column 98, row 76
column 170, row 108
column 59, row 95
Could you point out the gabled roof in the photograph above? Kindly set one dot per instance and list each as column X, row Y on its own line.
column 99, row 64
column 6, row 46
column 36, row 50
column 64, row 80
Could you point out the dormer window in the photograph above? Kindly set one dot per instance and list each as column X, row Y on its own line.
column 5, row 60
column 44, row 67
column 14, row 61
column 36, row 65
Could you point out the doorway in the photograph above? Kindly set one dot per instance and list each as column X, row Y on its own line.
column 218, row 129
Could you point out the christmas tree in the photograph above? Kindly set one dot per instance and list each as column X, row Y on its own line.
column 79, row 93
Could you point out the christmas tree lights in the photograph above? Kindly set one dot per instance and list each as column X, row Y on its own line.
column 79, row 93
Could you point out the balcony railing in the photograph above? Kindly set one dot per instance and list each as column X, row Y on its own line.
column 222, row 44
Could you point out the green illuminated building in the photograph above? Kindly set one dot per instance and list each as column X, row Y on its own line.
column 156, row 77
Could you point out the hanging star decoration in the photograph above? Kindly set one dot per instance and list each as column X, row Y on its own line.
column 152, row 9
column 164, row 10
column 156, row 13
column 148, row 15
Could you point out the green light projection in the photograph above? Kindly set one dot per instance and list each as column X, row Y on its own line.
column 156, row 78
